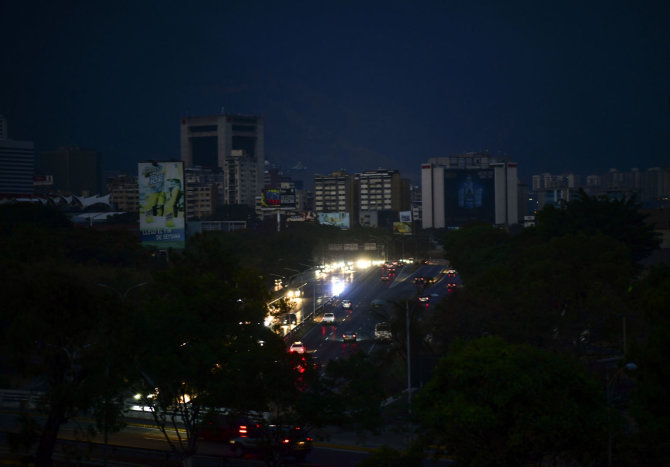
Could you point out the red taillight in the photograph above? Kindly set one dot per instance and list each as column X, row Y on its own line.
column 243, row 431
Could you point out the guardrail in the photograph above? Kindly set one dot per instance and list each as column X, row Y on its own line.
column 16, row 398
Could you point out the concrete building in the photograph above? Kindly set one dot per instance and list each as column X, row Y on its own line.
column 17, row 164
column 382, row 190
column 547, row 181
column 232, row 144
column 651, row 187
column 75, row 170
column 202, row 192
column 335, row 193
column 467, row 188
column 123, row 193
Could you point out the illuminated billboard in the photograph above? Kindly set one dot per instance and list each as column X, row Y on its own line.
column 161, row 193
column 270, row 198
column 276, row 197
column 402, row 228
column 338, row 219
column 469, row 196
column 405, row 216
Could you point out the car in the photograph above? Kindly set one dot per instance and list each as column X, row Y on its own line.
column 384, row 277
column 349, row 336
column 346, row 304
column 289, row 319
column 383, row 331
column 424, row 299
column 328, row 318
column 257, row 439
column 297, row 347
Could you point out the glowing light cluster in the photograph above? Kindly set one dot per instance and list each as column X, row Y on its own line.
column 337, row 286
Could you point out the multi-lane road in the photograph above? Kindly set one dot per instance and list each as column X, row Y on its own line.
column 372, row 300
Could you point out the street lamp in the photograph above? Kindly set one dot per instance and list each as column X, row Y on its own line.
column 122, row 298
column 409, row 366
column 611, row 384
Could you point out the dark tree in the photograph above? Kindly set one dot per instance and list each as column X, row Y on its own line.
column 492, row 403
column 617, row 218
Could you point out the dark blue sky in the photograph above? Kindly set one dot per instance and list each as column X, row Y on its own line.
column 556, row 86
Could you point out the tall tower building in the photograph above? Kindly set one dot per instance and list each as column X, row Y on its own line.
column 17, row 164
column 232, row 144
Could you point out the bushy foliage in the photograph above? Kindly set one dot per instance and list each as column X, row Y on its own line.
column 493, row 403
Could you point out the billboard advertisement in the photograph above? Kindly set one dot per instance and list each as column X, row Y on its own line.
column 469, row 195
column 402, row 228
column 338, row 219
column 161, row 192
column 276, row 197
column 270, row 198
column 405, row 216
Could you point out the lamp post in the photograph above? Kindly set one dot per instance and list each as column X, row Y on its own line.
column 122, row 298
column 409, row 366
column 609, row 390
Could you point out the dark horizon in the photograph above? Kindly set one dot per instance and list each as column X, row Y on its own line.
column 563, row 88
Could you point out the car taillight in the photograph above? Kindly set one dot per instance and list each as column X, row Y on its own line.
column 243, row 431
column 286, row 441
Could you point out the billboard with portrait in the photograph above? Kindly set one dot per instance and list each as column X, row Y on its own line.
column 402, row 228
column 469, row 196
column 161, row 196
column 338, row 219
column 270, row 198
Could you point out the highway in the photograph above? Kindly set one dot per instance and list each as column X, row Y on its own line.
column 372, row 301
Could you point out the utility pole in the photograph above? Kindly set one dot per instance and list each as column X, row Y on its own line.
column 122, row 298
column 409, row 366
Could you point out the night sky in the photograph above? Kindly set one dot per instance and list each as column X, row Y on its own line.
column 556, row 86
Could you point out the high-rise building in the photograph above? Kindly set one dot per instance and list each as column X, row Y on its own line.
column 467, row 188
column 334, row 193
column 123, row 192
column 201, row 192
column 382, row 190
column 547, row 181
column 651, row 187
column 232, row 144
column 75, row 170
column 17, row 164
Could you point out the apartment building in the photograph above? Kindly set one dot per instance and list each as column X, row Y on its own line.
column 335, row 193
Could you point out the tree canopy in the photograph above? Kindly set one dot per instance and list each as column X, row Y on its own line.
column 494, row 403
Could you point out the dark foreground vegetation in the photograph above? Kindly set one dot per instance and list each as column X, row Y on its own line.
column 524, row 365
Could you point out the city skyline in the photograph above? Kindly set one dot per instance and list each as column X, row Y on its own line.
column 555, row 88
